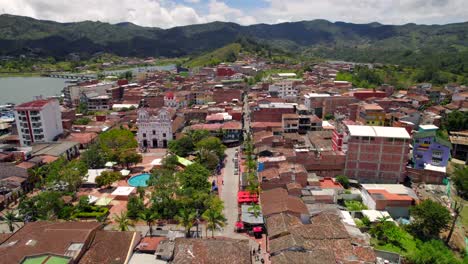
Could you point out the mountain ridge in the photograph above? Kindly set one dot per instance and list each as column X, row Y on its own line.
column 336, row 40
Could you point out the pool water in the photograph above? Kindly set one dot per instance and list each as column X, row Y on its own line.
column 139, row 180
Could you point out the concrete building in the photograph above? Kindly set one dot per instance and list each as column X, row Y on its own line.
column 73, row 93
column 154, row 131
column 283, row 89
column 38, row 121
column 376, row 154
column 396, row 199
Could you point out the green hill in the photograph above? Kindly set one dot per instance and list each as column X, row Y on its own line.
column 441, row 46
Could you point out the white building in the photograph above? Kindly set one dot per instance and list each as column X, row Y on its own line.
column 73, row 93
column 154, row 131
column 38, row 121
column 283, row 89
column 170, row 100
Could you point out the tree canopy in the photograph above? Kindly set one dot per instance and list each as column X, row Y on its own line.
column 430, row 218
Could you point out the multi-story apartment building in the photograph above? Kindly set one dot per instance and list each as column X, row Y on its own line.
column 283, row 89
column 154, row 131
column 73, row 93
column 376, row 154
column 430, row 149
column 38, row 121
column 371, row 114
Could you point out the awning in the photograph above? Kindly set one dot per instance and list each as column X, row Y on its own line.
column 156, row 162
column 239, row 225
column 110, row 164
column 104, row 201
column 123, row 191
column 92, row 199
column 184, row 162
column 125, row 172
column 247, row 197
column 257, row 229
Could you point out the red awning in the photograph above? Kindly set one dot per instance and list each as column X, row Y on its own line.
column 247, row 197
column 239, row 224
column 257, row 229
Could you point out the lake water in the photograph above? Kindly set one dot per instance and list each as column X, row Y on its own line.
column 22, row 89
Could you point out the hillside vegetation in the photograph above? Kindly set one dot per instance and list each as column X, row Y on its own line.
column 440, row 47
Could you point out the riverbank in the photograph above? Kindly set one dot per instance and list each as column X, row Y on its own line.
column 19, row 74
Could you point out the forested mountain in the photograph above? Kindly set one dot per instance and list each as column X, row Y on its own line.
column 444, row 45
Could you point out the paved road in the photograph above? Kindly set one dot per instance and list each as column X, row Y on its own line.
column 229, row 196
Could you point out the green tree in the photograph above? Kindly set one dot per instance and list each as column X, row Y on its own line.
column 211, row 144
column 343, row 180
column 36, row 175
column 170, row 162
column 456, row 121
column 186, row 218
column 123, row 221
column 134, row 207
column 44, row 206
column 214, row 215
column 198, row 135
column 10, row 219
column 194, row 176
column 149, row 217
column 83, row 203
column 129, row 157
column 430, row 218
column 82, row 121
column 460, row 180
column 208, row 159
column 255, row 209
column 93, row 157
column 107, row 178
column 116, row 141
column 181, row 147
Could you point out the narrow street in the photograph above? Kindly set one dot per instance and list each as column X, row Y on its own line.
column 229, row 195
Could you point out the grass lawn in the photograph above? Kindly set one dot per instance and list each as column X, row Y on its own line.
column 408, row 245
column 464, row 217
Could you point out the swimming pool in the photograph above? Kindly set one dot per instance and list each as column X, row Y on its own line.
column 139, row 180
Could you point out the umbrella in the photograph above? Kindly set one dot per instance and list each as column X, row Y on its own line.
column 257, row 229
column 110, row 164
column 125, row 172
column 239, row 225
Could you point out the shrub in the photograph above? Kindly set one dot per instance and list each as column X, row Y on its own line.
column 343, row 180
column 355, row 206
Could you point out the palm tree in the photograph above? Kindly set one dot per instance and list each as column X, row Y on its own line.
column 255, row 209
column 149, row 217
column 123, row 221
column 11, row 220
column 186, row 218
column 215, row 219
column 36, row 175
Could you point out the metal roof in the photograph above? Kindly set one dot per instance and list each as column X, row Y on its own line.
column 378, row 131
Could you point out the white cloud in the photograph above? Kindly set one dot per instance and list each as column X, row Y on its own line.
column 169, row 13
column 141, row 12
column 365, row 11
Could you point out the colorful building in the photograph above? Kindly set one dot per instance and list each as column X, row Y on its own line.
column 429, row 149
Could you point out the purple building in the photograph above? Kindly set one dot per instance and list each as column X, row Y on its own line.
column 429, row 150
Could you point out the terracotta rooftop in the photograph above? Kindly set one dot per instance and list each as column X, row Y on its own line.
column 278, row 201
column 329, row 183
column 60, row 238
column 33, row 105
column 211, row 251
column 111, row 247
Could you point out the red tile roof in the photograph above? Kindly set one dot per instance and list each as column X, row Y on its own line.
column 33, row 105
column 329, row 183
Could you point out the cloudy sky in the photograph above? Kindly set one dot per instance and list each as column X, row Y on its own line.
column 166, row 13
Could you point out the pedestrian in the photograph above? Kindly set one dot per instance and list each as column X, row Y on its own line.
column 254, row 251
column 259, row 248
column 222, row 182
column 262, row 261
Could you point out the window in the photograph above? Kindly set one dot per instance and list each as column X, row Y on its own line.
column 144, row 135
column 164, row 135
column 154, row 132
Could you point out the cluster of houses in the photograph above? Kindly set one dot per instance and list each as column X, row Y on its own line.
column 306, row 130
